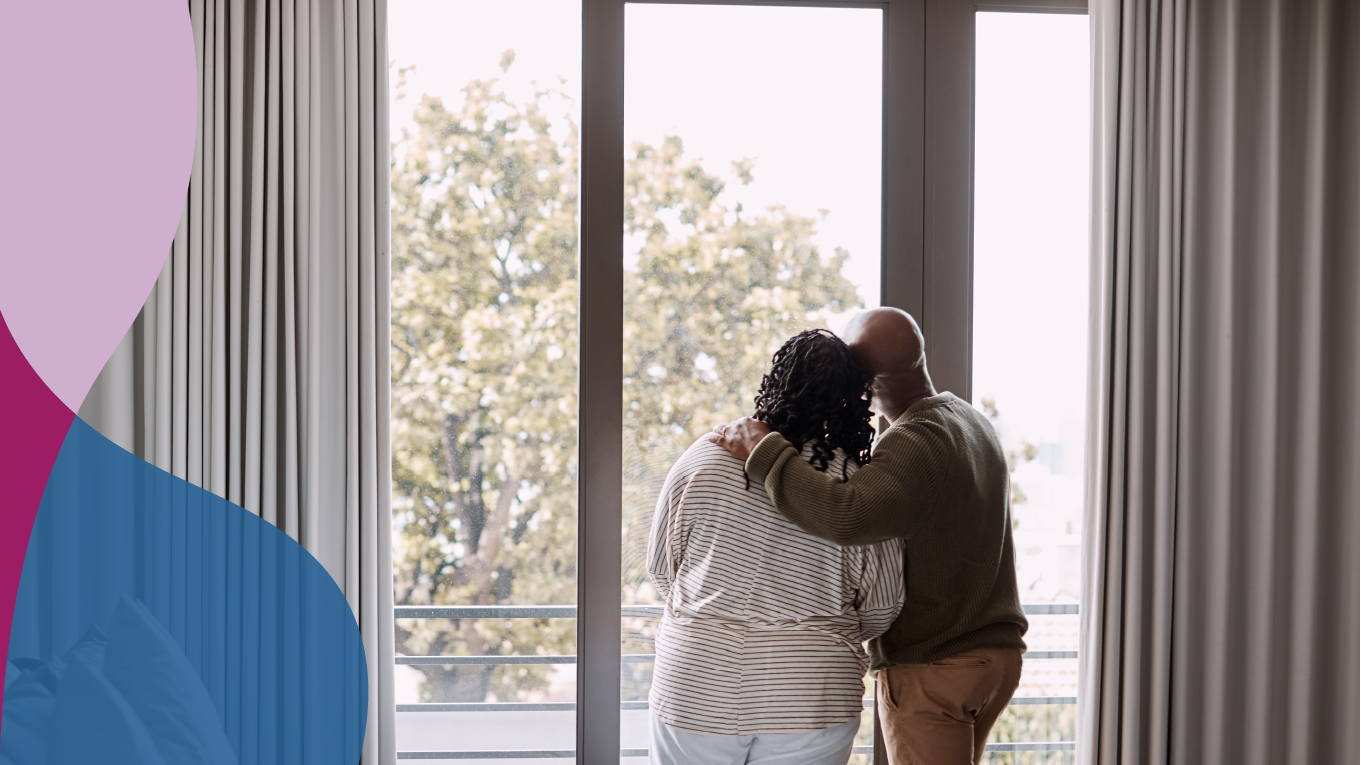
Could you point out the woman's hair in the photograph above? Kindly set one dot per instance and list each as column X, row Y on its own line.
column 816, row 393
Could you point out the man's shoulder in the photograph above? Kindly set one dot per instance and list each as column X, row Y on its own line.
column 941, row 428
column 925, row 424
column 940, row 416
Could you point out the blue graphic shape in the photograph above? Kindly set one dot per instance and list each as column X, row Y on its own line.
column 92, row 722
column 198, row 627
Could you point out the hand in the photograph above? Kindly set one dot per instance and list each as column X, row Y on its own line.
column 740, row 437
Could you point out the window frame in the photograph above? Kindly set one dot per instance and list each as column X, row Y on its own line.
column 947, row 265
column 926, row 251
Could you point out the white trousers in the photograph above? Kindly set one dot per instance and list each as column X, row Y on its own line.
column 828, row 746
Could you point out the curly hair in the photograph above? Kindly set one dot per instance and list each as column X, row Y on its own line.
column 816, row 393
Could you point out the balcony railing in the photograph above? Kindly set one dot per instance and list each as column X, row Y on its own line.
column 570, row 612
column 536, row 754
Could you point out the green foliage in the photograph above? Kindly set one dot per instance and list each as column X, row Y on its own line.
column 484, row 380
column 1030, row 723
column 485, row 349
column 715, row 292
column 1015, row 457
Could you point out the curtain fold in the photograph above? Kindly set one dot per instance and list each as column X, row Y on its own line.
column 258, row 367
column 1220, row 611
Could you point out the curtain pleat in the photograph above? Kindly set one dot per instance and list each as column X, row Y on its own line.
column 380, row 637
column 258, row 368
column 217, row 432
column 290, row 285
column 198, row 288
column 1220, row 612
column 161, row 341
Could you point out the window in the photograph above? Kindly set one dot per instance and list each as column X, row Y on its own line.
column 1031, row 126
column 485, row 162
column 752, row 198
column 774, row 167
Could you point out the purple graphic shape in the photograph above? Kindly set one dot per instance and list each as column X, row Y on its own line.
column 33, row 426
column 101, row 106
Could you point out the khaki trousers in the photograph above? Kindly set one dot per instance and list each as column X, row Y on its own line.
column 941, row 713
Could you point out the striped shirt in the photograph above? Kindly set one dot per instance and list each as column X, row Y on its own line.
column 764, row 624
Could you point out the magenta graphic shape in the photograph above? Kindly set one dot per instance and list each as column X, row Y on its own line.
column 98, row 141
column 33, row 425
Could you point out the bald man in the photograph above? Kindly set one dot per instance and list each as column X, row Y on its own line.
column 938, row 480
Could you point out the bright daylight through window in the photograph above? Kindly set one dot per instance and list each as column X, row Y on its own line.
column 484, row 410
column 752, row 204
column 1031, row 142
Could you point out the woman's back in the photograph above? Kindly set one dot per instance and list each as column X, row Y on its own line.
column 763, row 622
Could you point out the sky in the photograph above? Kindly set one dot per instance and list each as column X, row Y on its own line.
column 1031, row 187
column 1031, row 192
column 799, row 90
column 796, row 89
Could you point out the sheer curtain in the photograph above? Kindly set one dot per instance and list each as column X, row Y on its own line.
column 258, row 368
column 1220, row 611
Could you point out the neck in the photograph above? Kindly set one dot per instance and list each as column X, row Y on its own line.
column 899, row 410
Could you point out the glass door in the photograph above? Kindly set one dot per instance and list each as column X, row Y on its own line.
column 485, row 115
column 1030, row 286
column 753, row 199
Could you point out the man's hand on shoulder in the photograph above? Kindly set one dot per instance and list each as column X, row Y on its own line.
column 740, row 437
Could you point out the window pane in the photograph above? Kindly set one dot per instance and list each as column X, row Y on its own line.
column 1031, row 128
column 752, row 192
column 484, row 333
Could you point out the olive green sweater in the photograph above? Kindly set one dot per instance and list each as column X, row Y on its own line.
column 938, row 480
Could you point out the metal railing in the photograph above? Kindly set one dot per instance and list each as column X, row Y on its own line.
column 571, row 706
column 570, row 612
column 546, row 754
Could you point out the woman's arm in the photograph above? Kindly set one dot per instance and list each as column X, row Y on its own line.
column 664, row 544
column 881, row 588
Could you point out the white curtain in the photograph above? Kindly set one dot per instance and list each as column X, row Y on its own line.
column 258, row 368
column 1220, row 608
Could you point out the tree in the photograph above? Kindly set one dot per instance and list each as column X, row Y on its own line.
column 1024, row 453
column 484, row 376
column 485, row 344
column 715, row 292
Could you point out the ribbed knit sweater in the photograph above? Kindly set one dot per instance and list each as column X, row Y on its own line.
column 938, row 480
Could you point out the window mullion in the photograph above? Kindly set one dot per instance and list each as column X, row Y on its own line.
column 600, row 420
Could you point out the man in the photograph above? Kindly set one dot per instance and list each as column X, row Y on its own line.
column 937, row 480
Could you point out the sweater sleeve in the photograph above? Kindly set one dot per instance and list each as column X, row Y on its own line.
column 891, row 497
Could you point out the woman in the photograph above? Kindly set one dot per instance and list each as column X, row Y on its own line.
column 759, row 655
